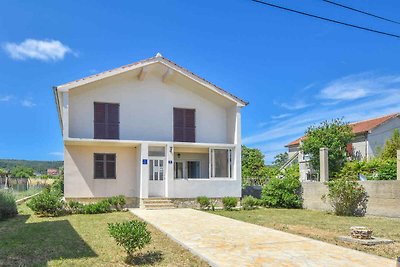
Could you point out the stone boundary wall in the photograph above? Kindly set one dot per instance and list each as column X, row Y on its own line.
column 384, row 197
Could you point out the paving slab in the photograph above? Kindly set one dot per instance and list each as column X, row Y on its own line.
column 223, row 241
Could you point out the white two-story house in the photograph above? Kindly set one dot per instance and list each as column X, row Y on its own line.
column 149, row 129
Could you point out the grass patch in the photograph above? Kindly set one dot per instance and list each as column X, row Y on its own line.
column 81, row 240
column 324, row 226
column 31, row 191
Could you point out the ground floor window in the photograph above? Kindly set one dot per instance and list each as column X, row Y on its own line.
column 221, row 162
column 104, row 166
column 187, row 169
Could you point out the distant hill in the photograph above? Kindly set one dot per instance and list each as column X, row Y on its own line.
column 37, row 165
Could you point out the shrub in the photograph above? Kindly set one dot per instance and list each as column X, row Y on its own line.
column 102, row 206
column 58, row 185
column 249, row 202
column 347, row 197
column 374, row 169
column 47, row 203
column 118, row 202
column 387, row 170
column 131, row 235
column 204, row 202
column 283, row 192
column 229, row 202
column 75, row 207
column 8, row 206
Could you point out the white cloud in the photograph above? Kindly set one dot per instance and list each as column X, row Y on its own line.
column 57, row 153
column 281, row 116
column 28, row 103
column 299, row 104
column 5, row 98
column 358, row 86
column 44, row 50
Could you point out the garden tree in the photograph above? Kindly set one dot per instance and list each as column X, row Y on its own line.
column 280, row 159
column 253, row 165
column 389, row 151
column 334, row 135
column 21, row 172
column 3, row 173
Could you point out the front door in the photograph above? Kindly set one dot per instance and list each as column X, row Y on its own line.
column 156, row 177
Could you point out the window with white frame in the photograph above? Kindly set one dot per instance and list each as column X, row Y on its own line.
column 187, row 169
column 221, row 162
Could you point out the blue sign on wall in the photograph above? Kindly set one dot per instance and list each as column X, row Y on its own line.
column 144, row 161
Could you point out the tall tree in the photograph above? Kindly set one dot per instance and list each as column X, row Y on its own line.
column 334, row 135
column 253, row 165
column 391, row 146
column 280, row 159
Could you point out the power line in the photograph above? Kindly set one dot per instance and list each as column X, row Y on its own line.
column 327, row 19
column 360, row 11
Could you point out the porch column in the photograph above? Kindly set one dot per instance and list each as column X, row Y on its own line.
column 323, row 165
column 144, row 170
column 169, row 169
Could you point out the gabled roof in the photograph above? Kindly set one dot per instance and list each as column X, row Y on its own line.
column 143, row 63
column 357, row 127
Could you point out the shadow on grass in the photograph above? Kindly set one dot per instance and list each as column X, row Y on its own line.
column 148, row 258
column 35, row 244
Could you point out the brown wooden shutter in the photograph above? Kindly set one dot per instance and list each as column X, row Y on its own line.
column 112, row 121
column 106, row 121
column 99, row 120
column 190, row 127
column 349, row 149
column 110, row 166
column 178, row 125
column 184, row 125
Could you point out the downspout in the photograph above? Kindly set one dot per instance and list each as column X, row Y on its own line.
column 366, row 146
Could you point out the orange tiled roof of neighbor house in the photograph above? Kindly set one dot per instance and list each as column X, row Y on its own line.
column 357, row 127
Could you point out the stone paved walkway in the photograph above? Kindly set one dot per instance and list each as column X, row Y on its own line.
column 226, row 242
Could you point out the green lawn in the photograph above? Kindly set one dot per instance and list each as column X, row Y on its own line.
column 29, row 192
column 80, row 240
column 323, row 226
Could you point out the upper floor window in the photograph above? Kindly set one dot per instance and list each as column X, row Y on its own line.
column 106, row 121
column 184, row 125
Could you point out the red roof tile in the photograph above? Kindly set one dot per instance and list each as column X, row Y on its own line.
column 358, row 127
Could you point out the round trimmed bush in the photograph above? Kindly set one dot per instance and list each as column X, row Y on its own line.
column 229, row 202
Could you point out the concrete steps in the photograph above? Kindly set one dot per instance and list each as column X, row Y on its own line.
column 158, row 203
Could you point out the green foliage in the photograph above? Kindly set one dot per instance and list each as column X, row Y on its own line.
column 3, row 173
column 102, row 206
column 117, row 202
column 389, row 151
column 374, row 169
column 204, row 202
column 75, row 207
column 132, row 235
column 280, row 159
column 47, row 203
column 229, row 202
column 8, row 206
column 36, row 165
column 253, row 166
column 334, row 135
column 249, row 202
column 347, row 197
column 283, row 192
column 21, row 172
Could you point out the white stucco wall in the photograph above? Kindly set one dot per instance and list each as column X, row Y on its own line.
column 192, row 188
column 379, row 135
column 146, row 108
column 79, row 179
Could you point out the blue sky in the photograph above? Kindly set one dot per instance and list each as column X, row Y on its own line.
column 294, row 70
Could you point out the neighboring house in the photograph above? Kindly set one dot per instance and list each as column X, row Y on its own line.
column 370, row 137
column 149, row 129
column 52, row 172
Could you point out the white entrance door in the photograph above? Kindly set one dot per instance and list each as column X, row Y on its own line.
column 156, row 177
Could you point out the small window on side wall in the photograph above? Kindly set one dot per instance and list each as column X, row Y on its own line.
column 104, row 166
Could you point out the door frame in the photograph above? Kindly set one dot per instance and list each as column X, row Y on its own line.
column 157, row 187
